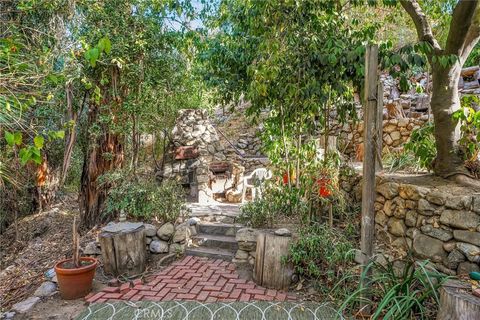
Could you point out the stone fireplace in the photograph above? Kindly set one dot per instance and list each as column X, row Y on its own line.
column 196, row 158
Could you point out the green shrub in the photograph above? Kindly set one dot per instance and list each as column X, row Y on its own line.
column 469, row 121
column 403, row 160
column 320, row 252
column 145, row 199
column 411, row 293
column 257, row 214
column 277, row 201
column 422, row 145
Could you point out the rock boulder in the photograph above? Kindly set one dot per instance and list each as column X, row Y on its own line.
column 460, row 219
column 429, row 248
column 158, row 246
column 166, row 231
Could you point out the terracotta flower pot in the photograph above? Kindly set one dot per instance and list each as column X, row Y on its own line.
column 75, row 283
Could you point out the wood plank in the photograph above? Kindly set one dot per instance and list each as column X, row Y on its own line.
column 379, row 127
column 259, row 256
column 470, row 71
column 471, row 85
column 369, row 159
column 369, row 166
column 275, row 274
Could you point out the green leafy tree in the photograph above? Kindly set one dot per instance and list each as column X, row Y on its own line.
column 296, row 62
column 29, row 77
column 136, row 72
column 456, row 36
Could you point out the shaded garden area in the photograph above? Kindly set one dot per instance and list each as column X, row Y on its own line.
column 304, row 159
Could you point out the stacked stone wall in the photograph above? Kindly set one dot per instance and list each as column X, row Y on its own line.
column 396, row 132
column 434, row 224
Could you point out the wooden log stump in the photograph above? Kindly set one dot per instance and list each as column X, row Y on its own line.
column 457, row 302
column 123, row 248
column 269, row 270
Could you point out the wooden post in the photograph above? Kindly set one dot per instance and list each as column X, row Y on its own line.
column 123, row 248
column 456, row 302
column 269, row 270
column 379, row 127
column 368, row 187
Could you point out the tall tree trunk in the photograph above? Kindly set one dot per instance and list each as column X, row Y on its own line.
column 46, row 185
column 463, row 35
column 104, row 154
column 445, row 101
column 71, row 134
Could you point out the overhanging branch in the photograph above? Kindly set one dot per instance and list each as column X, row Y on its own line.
column 424, row 31
column 460, row 26
column 472, row 36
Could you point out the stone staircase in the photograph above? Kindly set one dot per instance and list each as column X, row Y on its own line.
column 215, row 241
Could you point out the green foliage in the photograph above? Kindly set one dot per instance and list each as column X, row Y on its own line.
column 422, row 145
column 93, row 54
column 469, row 120
column 411, row 293
column 297, row 62
column 321, row 252
column 276, row 202
column 400, row 161
column 474, row 58
column 144, row 199
column 257, row 214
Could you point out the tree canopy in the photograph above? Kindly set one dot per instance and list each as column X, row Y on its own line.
column 82, row 81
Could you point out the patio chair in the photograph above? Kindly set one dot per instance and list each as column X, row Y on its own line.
column 254, row 181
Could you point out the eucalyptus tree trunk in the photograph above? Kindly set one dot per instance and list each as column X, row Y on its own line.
column 463, row 35
column 445, row 100
column 104, row 154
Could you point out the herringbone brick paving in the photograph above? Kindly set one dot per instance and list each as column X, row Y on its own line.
column 192, row 278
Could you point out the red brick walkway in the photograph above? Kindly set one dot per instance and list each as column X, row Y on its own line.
column 192, row 278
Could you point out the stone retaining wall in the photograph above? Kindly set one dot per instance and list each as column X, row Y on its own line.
column 396, row 132
column 164, row 239
column 247, row 245
column 438, row 225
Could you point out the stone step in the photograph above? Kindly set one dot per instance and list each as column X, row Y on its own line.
column 212, row 253
column 220, row 229
column 216, row 241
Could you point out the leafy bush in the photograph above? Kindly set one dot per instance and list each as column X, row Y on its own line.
column 469, row 120
column 410, row 293
column 276, row 201
column 320, row 251
column 257, row 214
column 403, row 160
column 145, row 199
column 422, row 145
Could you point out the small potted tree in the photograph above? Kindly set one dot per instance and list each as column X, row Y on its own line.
column 75, row 275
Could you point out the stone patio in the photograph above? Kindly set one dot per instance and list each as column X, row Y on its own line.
column 192, row 279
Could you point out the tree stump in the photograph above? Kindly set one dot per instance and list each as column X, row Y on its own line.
column 123, row 248
column 457, row 302
column 269, row 270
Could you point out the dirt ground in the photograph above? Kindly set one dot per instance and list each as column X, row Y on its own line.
column 42, row 239
column 54, row 308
